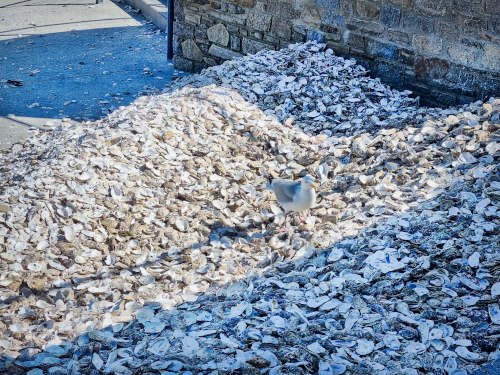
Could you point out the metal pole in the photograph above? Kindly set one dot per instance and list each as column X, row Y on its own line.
column 170, row 30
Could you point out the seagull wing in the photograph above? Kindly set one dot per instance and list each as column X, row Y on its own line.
column 285, row 190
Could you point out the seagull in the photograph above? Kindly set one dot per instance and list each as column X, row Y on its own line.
column 295, row 196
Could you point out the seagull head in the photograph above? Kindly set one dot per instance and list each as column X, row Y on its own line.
column 308, row 182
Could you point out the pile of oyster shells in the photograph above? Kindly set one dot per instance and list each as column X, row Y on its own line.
column 320, row 91
column 147, row 242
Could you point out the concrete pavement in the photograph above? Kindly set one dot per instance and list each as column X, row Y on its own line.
column 75, row 59
column 14, row 128
column 154, row 10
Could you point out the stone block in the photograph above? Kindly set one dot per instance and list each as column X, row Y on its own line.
column 390, row 74
column 259, row 21
column 368, row 27
column 207, row 22
column 440, row 97
column 223, row 53
column 447, row 30
column 464, row 54
column 177, row 45
column 192, row 18
column 492, row 87
column 203, row 45
column 475, row 6
column 329, row 17
column 235, row 9
column 218, row 34
column 191, row 8
column 347, row 7
column 365, row 63
column 406, row 57
column 329, row 4
column 232, row 29
column 213, row 4
column 492, row 6
column 330, row 29
column 200, row 34
column 357, row 53
column 433, row 68
column 460, row 100
column 191, row 51
column 183, row 30
column 471, row 24
column 284, row 11
column 198, row 67
column 178, row 9
column 238, row 19
column 432, row 7
column 235, row 43
column 491, row 57
column 355, row 40
column 403, row 3
column 459, row 76
column 183, row 64
column 256, row 35
column 418, row 88
column 209, row 61
column 281, row 29
column 246, row 3
column 431, row 45
column 339, row 48
column 331, row 32
column 473, row 43
column 390, row 16
column 260, row 6
column 250, row 46
column 311, row 16
column 298, row 37
column 271, row 39
column 315, row 35
column 398, row 36
column 299, row 29
column 284, row 44
column 413, row 22
column 367, row 9
column 495, row 25
column 384, row 50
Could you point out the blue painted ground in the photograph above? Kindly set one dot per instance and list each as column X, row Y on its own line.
column 82, row 74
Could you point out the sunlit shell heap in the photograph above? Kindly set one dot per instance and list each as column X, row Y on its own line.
column 146, row 242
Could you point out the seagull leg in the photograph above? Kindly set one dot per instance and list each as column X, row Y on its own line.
column 302, row 219
column 283, row 228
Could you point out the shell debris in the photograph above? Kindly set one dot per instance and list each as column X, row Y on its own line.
column 146, row 240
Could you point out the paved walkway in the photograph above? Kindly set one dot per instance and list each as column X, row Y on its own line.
column 74, row 59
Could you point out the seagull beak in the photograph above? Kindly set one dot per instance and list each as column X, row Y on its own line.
column 314, row 186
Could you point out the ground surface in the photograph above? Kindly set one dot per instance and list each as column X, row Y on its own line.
column 74, row 59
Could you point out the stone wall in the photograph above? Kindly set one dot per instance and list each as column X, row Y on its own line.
column 446, row 51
